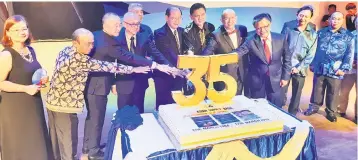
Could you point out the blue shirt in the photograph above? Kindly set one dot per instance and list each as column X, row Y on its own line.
column 354, row 71
column 334, row 52
column 302, row 45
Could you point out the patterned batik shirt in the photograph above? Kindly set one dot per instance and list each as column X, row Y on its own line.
column 334, row 52
column 354, row 71
column 70, row 76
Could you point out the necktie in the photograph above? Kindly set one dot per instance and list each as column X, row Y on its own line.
column 177, row 39
column 132, row 49
column 202, row 37
column 267, row 52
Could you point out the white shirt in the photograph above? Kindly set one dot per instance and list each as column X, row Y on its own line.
column 233, row 38
column 173, row 30
column 128, row 39
column 352, row 18
column 268, row 42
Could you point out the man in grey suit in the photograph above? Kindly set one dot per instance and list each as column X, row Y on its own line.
column 227, row 38
column 270, row 61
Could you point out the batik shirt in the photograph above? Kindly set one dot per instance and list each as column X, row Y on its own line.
column 334, row 52
column 354, row 71
column 70, row 76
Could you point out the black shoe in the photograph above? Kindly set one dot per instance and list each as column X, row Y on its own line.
column 98, row 156
column 310, row 111
column 331, row 117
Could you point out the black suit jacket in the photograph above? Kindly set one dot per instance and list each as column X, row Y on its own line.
column 166, row 43
column 106, row 48
column 221, row 43
column 280, row 66
column 350, row 25
column 145, row 47
column 191, row 37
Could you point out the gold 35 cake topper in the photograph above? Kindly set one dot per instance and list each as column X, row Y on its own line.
column 208, row 66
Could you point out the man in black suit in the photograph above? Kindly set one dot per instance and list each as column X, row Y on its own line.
column 131, row 88
column 198, row 32
column 227, row 38
column 106, row 48
column 270, row 60
column 169, row 40
column 351, row 16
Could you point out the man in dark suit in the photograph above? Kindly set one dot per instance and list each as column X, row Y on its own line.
column 270, row 60
column 106, row 48
column 227, row 38
column 169, row 40
column 131, row 88
column 198, row 32
column 351, row 16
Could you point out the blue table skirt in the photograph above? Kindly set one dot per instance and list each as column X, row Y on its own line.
column 264, row 147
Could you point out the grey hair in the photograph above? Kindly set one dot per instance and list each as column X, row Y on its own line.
column 227, row 11
column 130, row 15
column 260, row 17
column 80, row 32
column 131, row 6
column 336, row 12
column 110, row 15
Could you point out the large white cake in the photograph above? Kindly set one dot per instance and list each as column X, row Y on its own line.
column 190, row 127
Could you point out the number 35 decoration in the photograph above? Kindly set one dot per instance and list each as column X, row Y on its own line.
column 210, row 67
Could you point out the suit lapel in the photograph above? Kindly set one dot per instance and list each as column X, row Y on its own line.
column 260, row 47
column 122, row 39
column 227, row 38
column 238, row 34
column 172, row 37
column 273, row 39
column 180, row 32
column 140, row 40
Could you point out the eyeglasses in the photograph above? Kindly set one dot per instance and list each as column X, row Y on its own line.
column 175, row 19
column 133, row 24
column 229, row 18
column 19, row 30
column 263, row 28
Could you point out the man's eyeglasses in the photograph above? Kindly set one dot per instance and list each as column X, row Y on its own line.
column 133, row 24
column 263, row 28
column 175, row 19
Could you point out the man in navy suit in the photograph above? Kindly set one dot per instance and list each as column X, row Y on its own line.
column 270, row 60
column 227, row 38
column 131, row 88
column 106, row 48
column 169, row 40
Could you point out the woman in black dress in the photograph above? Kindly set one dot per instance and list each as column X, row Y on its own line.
column 23, row 131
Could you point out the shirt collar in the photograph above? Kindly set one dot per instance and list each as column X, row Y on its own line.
column 197, row 27
column 172, row 29
column 269, row 38
column 308, row 27
column 129, row 37
column 340, row 30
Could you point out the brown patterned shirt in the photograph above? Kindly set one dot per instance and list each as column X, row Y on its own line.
column 70, row 76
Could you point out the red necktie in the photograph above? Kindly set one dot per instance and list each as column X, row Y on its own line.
column 267, row 52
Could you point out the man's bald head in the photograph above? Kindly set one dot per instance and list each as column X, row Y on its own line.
column 336, row 20
column 82, row 40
